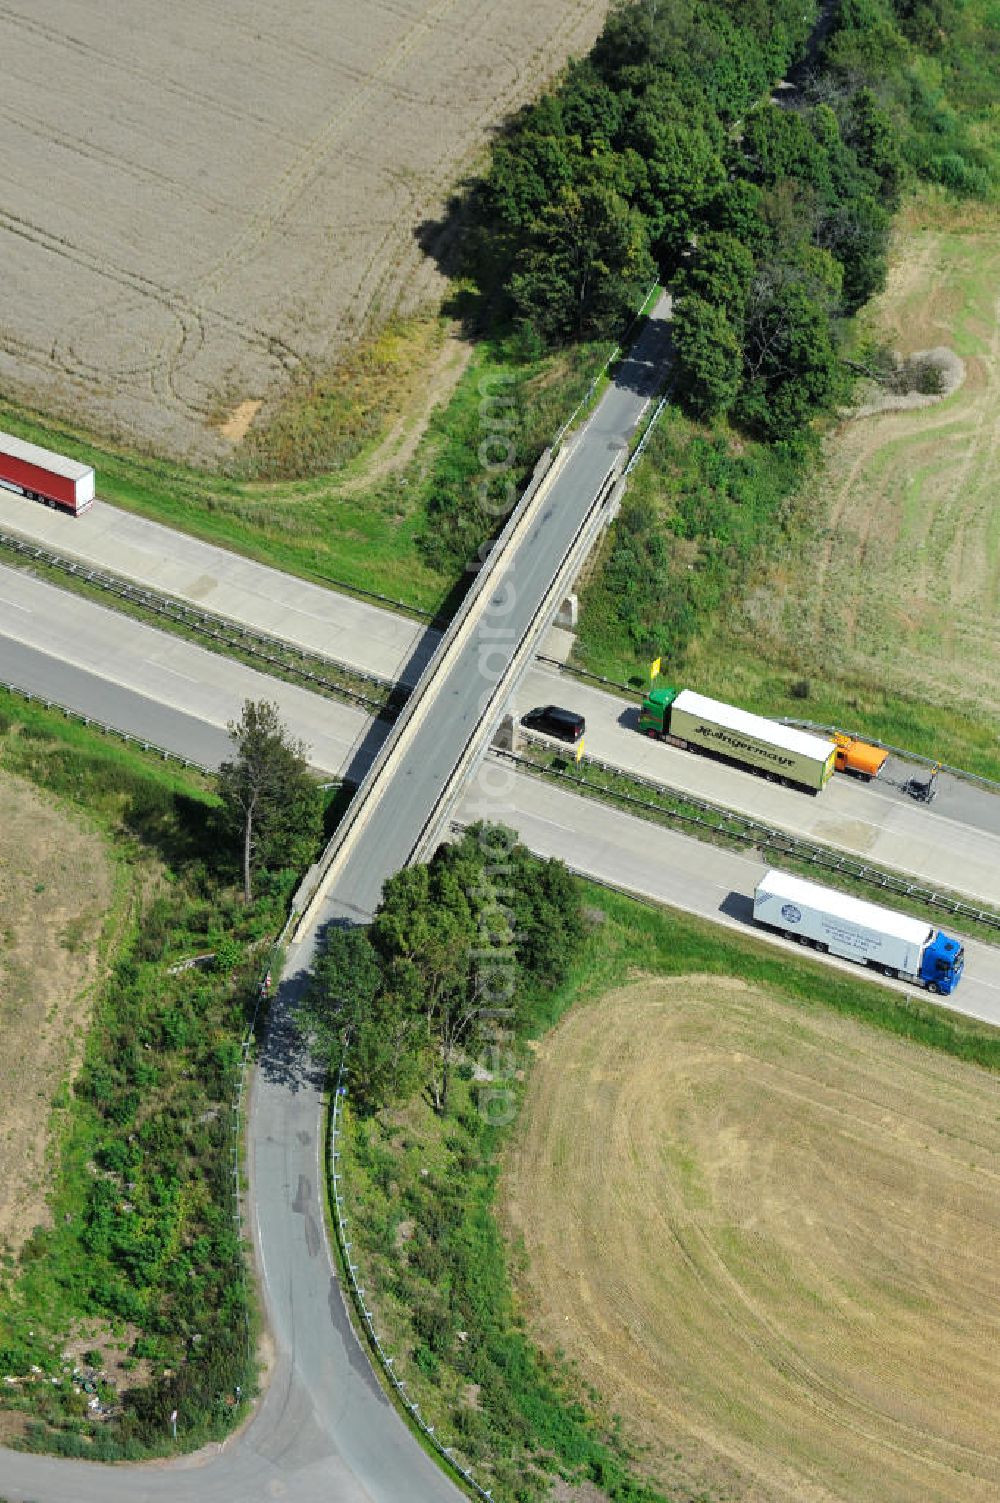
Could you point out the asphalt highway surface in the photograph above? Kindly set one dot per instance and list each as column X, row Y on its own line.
column 138, row 715
column 953, row 843
column 323, row 1429
column 656, row 862
column 157, row 686
column 358, row 632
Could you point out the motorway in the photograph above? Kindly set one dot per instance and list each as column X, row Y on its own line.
column 319, row 620
column 157, row 686
column 180, row 696
column 953, row 843
column 370, row 638
column 323, row 1430
column 655, row 862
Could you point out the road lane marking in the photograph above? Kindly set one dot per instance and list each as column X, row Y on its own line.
column 164, row 668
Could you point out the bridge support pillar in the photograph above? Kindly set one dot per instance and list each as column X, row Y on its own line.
column 509, row 735
column 568, row 613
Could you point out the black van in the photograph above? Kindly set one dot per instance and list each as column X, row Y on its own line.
column 565, row 725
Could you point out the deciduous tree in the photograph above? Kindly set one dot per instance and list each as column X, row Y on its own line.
column 586, row 264
column 708, row 361
column 271, row 803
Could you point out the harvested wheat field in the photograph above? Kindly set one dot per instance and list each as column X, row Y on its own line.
column 56, row 884
column 198, row 198
column 901, row 587
column 770, row 1237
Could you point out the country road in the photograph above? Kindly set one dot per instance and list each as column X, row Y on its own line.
column 323, row 1428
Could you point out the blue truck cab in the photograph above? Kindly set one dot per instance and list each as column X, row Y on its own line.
column 942, row 964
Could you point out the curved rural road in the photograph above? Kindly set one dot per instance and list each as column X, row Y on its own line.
column 324, row 1429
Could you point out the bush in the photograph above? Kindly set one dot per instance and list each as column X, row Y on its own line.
column 144, row 1233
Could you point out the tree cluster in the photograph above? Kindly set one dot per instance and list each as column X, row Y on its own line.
column 664, row 154
column 453, row 964
column 601, row 184
column 795, row 239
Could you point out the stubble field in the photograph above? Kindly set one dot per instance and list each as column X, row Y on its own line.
column 768, row 1236
column 199, row 200
column 898, row 585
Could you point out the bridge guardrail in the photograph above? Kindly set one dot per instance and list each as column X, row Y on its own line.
column 348, row 831
column 580, row 544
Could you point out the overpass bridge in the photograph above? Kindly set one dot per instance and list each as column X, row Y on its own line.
column 324, row 1432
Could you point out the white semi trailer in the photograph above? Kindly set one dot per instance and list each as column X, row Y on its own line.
column 857, row 930
column 780, row 751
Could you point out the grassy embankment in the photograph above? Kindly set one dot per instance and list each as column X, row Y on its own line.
column 864, row 594
column 316, row 494
column 880, row 611
column 141, row 1265
column 422, row 1200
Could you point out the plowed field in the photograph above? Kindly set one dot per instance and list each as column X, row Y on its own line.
column 195, row 198
column 770, row 1238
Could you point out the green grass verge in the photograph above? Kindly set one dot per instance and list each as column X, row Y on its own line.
column 142, row 1242
column 726, row 668
column 346, row 528
column 421, row 1195
column 365, row 541
column 702, row 526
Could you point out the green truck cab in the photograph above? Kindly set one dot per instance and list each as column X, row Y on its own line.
column 654, row 717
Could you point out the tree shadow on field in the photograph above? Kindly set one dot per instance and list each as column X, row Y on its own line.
column 455, row 242
column 463, row 246
column 179, row 827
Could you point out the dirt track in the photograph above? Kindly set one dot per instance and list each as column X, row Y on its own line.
column 769, row 1237
column 197, row 197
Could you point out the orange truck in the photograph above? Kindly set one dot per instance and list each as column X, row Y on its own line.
column 859, row 757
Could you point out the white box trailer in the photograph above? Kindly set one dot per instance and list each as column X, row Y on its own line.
column 783, row 750
column 858, row 930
